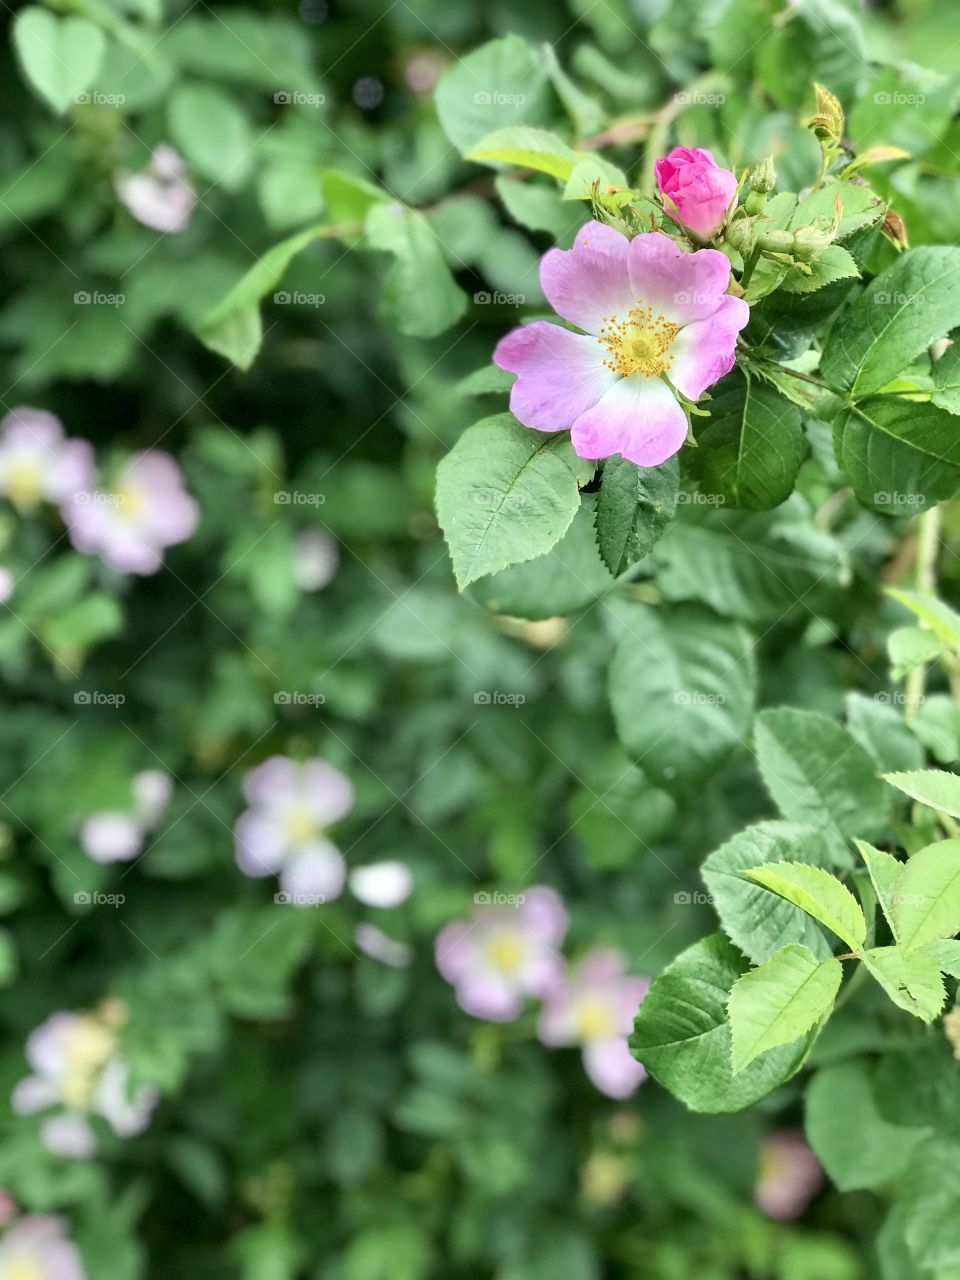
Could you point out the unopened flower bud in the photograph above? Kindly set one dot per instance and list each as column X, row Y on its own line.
column 763, row 177
column 828, row 121
column 810, row 241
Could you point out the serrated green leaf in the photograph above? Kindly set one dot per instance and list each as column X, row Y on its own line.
column 926, row 897
column 932, row 787
column 835, row 263
column 682, row 1036
column 778, row 1002
column 911, row 980
column 945, row 954
column 900, row 455
column 818, row 893
column 505, row 494
column 527, row 148
column 884, row 870
column 634, row 508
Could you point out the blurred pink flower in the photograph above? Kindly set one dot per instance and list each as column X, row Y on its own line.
column 160, row 196
column 594, row 1006
column 789, row 1175
column 649, row 312
column 315, row 559
column 129, row 525
column 36, row 1247
column 503, row 954
column 38, row 463
column 373, row 942
column 283, row 832
column 78, row 1068
column 696, row 192
column 381, row 884
column 117, row 835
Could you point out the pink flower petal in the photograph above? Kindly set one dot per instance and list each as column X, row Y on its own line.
column 560, row 374
column 544, row 914
column 318, row 872
column 259, row 843
column 639, row 418
column 591, row 281
column 612, row 1067
column 484, row 996
column 328, row 793
column 706, row 350
column 682, row 287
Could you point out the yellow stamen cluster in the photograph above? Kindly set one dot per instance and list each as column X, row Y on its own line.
column 640, row 343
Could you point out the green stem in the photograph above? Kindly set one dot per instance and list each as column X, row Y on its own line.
column 749, row 266
column 925, row 581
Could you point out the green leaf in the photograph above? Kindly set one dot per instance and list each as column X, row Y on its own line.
column 945, row 954
column 878, row 726
column 780, row 1001
column 946, row 377
column 60, row 56
column 884, row 870
column 505, row 494
column 931, row 1207
column 635, row 506
column 501, row 84
column 233, row 328
column 756, row 921
column 682, row 1036
column 681, row 687
column 932, row 787
column 926, row 898
column 848, row 1134
column 751, row 446
column 834, row 263
column 899, row 455
column 420, row 297
column 911, row 647
column 899, row 314
column 939, row 617
column 527, row 148
column 911, row 980
column 588, row 170
column 819, row 775
column 537, row 206
column 818, row 893
column 212, row 132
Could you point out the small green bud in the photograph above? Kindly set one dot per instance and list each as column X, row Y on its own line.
column 810, row 241
column 763, row 177
column 828, row 122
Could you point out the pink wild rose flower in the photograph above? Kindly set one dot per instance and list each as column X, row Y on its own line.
column 696, row 192
column 648, row 312
column 594, row 1007
column 38, row 463
column 502, row 955
column 36, row 1247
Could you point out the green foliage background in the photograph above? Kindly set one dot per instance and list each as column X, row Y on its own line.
column 324, row 1116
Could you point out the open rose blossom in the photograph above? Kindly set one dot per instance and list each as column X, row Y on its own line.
column 503, row 954
column 130, row 524
column 595, row 1007
column 37, row 462
column 649, row 312
column 696, row 192
column 36, row 1247
column 284, row 830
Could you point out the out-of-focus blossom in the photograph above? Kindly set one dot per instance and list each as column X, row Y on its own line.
column 594, row 1006
column 373, row 942
column 130, row 524
column 160, row 196
column 696, row 191
column 36, row 1247
column 116, row 835
column 152, row 790
column 503, row 954
column 38, row 463
column 382, row 884
column 283, row 832
column 7, row 584
column 77, row 1067
column 315, row 559
column 789, row 1175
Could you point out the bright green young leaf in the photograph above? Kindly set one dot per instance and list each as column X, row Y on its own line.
column 818, row 893
column 943, row 621
column 504, row 495
column 780, row 1001
column 502, row 84
column 932, row 787
column 526, row 148
column 588, row 170
column 756, row 921
column 60, row 56
column 420, row 297
column 911, row 647
column 681, row 688
column 945, row 954
column 902, row 311
column 926, row 901
column 884, row 870
column 835, row 263
column 819, row 775
column 899, row 455
column 910, row 978
column 212, row 132
column 682, row 1036
column 635, row 506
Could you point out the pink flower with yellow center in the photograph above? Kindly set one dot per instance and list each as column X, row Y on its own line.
column 656, row 321
column 503, row 954
column 36, row 1247
column 38, row 463
column 595, row 1007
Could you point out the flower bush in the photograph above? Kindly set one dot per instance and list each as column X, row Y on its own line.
column 479, row 641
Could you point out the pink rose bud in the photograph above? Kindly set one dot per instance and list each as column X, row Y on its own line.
column 696, row 191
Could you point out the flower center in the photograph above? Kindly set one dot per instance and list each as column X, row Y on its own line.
column 23, row 1269
column 85, row 1051
column 593, row 1019
column 25, row 481
column 129, row 501
column 506, row 952
column 640, row 343
column 299, row 825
